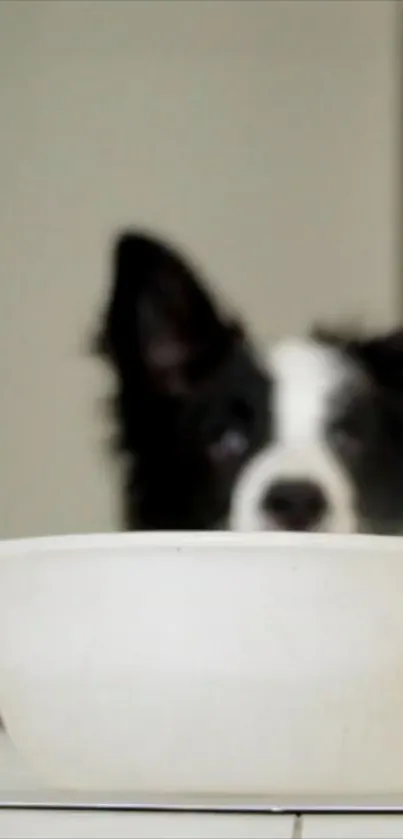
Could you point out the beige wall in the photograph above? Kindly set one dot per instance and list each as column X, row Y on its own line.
column 261, row 136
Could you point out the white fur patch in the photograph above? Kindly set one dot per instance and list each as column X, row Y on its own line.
column 306, row 375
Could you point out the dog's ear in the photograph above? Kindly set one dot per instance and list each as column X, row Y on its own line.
column 381, row 356
column 162, row 316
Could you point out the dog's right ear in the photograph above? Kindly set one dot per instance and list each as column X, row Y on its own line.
column 162, row 318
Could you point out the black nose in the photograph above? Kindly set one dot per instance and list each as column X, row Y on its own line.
column 295, row 504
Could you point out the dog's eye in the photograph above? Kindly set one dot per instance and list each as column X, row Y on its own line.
column 230, row 436
column 349, row 433
column 230, row 444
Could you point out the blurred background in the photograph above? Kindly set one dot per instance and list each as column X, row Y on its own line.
column 263, row 137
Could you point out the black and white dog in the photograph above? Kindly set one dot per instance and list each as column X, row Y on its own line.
column 309, row 438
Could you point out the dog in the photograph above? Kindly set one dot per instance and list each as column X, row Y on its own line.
column 215, row 435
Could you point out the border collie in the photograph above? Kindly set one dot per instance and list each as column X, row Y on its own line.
column 309, row 438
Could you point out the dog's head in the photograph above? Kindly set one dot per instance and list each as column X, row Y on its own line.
column 192, row 399
column 311, row 439
column 333, row 457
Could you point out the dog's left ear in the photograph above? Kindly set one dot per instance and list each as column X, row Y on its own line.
column 381, row 356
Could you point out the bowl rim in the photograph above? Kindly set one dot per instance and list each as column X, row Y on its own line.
column 179, row 540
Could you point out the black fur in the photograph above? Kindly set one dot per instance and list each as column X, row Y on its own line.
column 381, row 356
column 377, row 417
column 192, row 400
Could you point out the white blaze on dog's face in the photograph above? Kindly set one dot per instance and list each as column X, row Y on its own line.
column 298, row 482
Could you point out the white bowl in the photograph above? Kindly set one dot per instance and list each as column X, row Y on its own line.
column 209, row 664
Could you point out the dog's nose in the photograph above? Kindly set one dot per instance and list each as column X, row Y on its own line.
column 295, row 504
